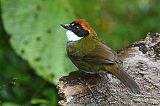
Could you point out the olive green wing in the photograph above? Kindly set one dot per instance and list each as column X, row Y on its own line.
column 101, row 54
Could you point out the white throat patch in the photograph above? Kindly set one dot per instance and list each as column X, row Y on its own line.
column 72, row 37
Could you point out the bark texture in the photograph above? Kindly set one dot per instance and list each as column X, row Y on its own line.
column 141, row 60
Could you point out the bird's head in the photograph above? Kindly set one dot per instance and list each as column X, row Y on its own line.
column 77, row 29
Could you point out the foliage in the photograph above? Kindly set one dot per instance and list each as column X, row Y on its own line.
column 35, row 42
column 40, row 40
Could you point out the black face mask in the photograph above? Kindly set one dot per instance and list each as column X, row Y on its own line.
column 76, row 28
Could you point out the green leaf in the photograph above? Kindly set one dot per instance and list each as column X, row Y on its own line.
column 36, row 101
column 36, row 34
column 9, row 104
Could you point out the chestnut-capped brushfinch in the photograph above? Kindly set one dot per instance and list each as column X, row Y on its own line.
column 89, row 54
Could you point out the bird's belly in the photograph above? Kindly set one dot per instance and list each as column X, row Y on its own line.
column 77, row 59
column 87, row 67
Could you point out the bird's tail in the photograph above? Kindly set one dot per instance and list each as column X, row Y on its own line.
column 128, row 81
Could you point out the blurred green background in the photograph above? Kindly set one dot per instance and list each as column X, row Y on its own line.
column 32, row 43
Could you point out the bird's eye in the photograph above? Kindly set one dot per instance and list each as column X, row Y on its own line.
column 77, row 27
column 72, row 24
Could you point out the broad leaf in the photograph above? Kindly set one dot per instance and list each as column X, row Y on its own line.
column 36, row 34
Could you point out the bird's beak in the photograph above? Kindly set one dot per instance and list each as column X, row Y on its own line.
column 66, row 26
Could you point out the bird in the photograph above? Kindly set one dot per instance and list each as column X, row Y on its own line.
column 90, row 55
